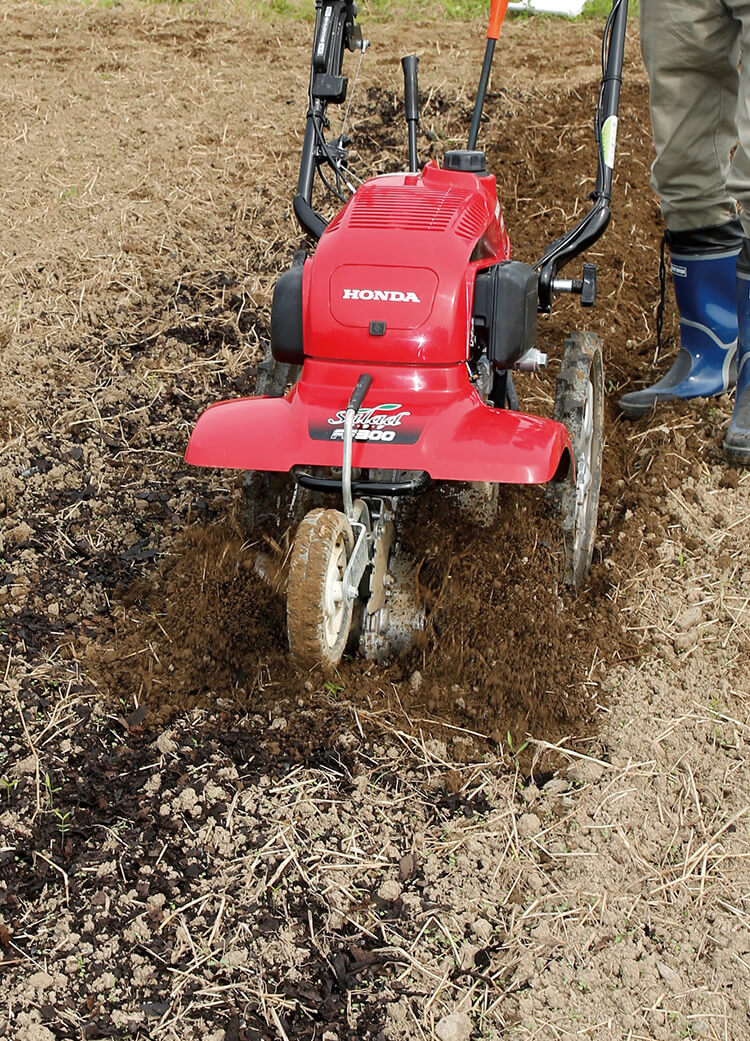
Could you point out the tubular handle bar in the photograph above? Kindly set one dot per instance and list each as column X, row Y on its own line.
column 594, row 223
column 335, row 30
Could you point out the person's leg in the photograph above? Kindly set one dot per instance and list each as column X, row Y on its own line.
column 737, row 441
column 738, row 181
column 691, row 50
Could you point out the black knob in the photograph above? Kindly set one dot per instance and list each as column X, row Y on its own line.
column 588, row 289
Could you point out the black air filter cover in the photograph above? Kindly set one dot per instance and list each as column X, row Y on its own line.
column 286, row 318
column 506, row 299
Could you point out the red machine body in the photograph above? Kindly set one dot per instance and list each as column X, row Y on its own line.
column 389, row 292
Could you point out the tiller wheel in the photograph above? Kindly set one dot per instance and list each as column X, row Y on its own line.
column 319, row 607
column 579, row 404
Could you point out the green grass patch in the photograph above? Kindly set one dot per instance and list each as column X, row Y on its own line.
column 601, row 8
column 459, row 10
column 370, row 10
column 595, row 10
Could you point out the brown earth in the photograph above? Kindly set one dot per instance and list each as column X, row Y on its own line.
column 195, row 840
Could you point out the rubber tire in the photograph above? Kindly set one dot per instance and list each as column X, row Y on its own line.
column 581, row 362
column 275, row 376
column 313, row 545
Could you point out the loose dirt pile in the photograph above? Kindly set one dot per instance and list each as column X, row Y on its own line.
column 195, row 841
column 206, row 625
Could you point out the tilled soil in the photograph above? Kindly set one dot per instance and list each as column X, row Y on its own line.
column 537, row 820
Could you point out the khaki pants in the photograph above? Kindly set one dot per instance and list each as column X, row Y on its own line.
column 700, row 107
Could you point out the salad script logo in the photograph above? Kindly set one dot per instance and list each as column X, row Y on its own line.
column 381, row 423
column 370, row 424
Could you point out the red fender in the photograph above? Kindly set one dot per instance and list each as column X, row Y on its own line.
column 429, row 419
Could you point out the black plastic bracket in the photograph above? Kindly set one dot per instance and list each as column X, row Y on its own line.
column 330, row 88
column 387, row 488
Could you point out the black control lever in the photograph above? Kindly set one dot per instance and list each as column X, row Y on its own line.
column 361, row 387
column 411, row 98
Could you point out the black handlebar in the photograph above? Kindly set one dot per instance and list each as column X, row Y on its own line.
column 335, row 31
column 410, row 65
column 593, row 225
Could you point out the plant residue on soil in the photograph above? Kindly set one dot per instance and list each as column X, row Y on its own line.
column 532, row 826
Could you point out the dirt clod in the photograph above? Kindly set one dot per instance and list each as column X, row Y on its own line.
column 456, row 1027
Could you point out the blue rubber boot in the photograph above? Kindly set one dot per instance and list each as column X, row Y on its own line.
column 737, row 441
column 704, row 272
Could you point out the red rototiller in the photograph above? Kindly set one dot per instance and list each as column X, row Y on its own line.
column 392, row 353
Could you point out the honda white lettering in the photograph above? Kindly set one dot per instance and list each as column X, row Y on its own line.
column 393, row 296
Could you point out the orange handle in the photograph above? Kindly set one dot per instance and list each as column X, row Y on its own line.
column 498, row 9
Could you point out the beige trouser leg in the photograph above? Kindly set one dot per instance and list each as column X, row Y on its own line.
column 700, row 106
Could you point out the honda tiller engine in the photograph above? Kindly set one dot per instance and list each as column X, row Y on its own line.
column 392, row 355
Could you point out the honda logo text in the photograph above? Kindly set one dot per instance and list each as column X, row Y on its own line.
column 393, row 296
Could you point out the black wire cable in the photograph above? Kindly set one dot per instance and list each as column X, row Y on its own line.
column 334, row 191
column 328, row 158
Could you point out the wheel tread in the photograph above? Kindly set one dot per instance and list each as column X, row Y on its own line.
column 582, row 354
column 311, row 550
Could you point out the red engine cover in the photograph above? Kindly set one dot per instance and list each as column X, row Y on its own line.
column 400, row 255
column 389, row 292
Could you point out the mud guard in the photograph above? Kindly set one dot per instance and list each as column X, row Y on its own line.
column 438, row 424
